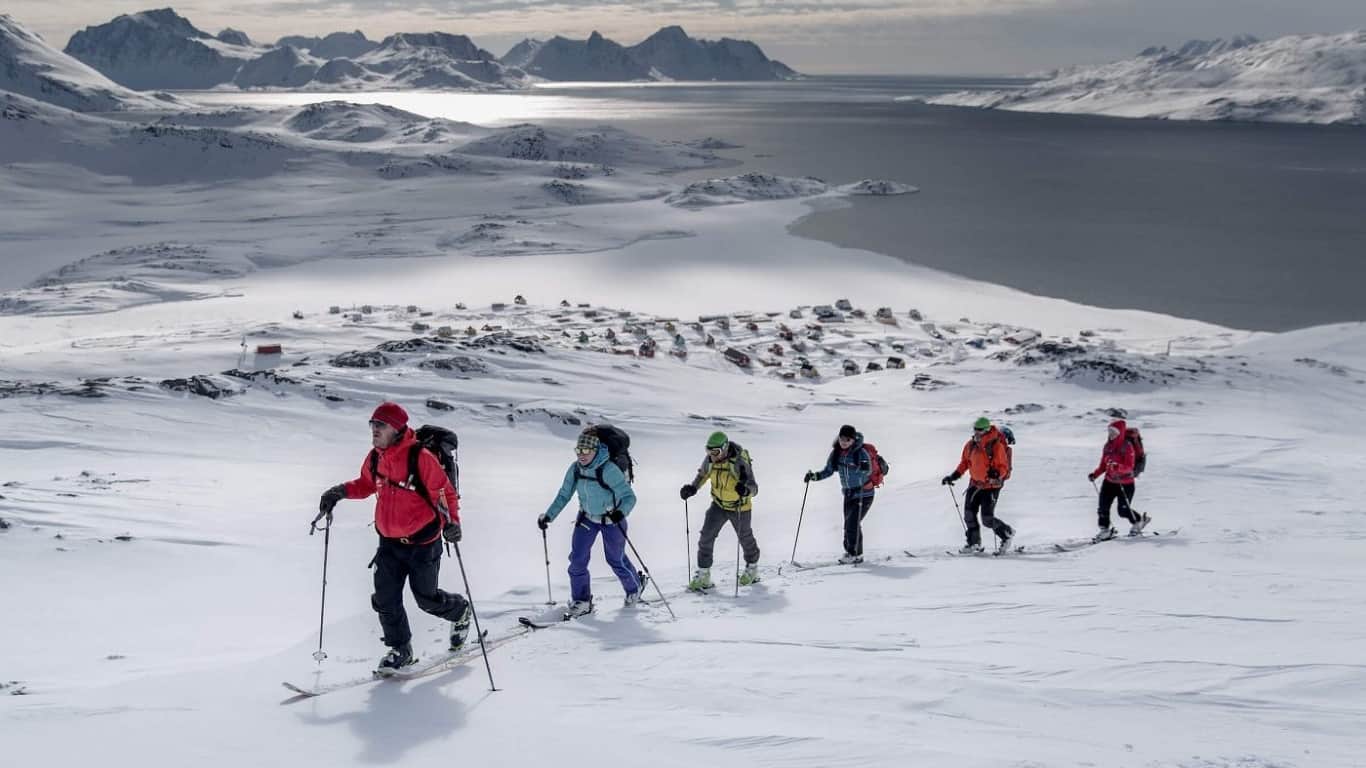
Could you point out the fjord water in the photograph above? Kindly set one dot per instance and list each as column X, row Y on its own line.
column 1255, row 226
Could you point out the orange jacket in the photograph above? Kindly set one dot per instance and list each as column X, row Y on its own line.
column 976, row 460
column 400, row 511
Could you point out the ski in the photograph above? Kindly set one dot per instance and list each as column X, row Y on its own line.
column 434, row 665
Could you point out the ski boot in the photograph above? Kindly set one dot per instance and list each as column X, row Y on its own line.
column 750, row 575
column 1003, row 548
column 460, row 628
column 701, row 580
column 1136, row 529
column 579, row 608
column 1104, row 534
column 848, row 559
column 397, row 658
column 971, row 549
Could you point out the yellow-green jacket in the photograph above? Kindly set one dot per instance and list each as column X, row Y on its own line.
column 725, row 474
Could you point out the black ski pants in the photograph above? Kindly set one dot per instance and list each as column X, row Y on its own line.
column 983, row 501
column 715, row 520
column 855, row 509
column 1112, row 492
column 420, row 566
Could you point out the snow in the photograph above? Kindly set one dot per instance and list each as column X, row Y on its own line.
column 739, row 189
column 877, row 188
column 1292, row 79
column 159, row 476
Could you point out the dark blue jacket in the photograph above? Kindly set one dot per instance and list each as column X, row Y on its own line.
column 854, row 466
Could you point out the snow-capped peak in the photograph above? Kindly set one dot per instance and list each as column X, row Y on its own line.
column 31, row 67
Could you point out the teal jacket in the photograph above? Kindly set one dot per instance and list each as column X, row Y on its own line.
column 594, row 499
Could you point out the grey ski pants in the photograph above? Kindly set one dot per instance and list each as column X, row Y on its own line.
column 711, row 527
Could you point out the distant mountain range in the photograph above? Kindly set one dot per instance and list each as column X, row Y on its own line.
column 161, row 49
column 1292, row 79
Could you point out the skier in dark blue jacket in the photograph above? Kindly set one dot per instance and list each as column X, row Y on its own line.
column 852, row 461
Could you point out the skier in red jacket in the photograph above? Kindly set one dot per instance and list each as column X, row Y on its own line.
column 1117, row 464
column 411, row 525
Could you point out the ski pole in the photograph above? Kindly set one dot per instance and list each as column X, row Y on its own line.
column 469, row 598
column 954, row 496
column 320, row 654
column 800, row 515
column 737, row 554
column 549, row 598
column 646, row 568
column 687, row 535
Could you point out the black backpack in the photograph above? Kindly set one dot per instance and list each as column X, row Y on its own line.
column 443, row 444
column 618, row 449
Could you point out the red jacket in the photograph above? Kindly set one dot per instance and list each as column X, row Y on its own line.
column 400, row 511
column 1117, row 458
column 982, row 454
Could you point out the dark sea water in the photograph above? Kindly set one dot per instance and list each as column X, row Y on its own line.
column 1253, row 226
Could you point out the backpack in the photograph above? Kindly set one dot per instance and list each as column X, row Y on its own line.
column 618, row 448
column 1132, row 437
column 1009, row 437
column 879, row 466
column 618, row 452
column 443, row 444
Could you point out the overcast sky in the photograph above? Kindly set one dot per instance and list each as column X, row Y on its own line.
column 843, row 36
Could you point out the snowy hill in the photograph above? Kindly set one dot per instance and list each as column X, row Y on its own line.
column 1293, row 79
column 159, row 49
column 30, row 67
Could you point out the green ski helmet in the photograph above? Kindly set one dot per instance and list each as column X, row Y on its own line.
column 717, row 440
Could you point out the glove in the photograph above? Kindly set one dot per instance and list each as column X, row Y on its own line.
column 809, row 477
column 687, row 491
column 993, row 474
column 542, row 521
column 451, row 532
column 614, row 516
column 948, row 479
column 329, row 500
column 741, row 490
column 1092, row 476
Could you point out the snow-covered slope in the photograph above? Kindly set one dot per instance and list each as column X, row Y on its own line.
column 1293, row 79
column 162, row 447
column 30, row 67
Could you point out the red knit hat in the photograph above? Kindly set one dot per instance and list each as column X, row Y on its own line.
column 391, row 414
